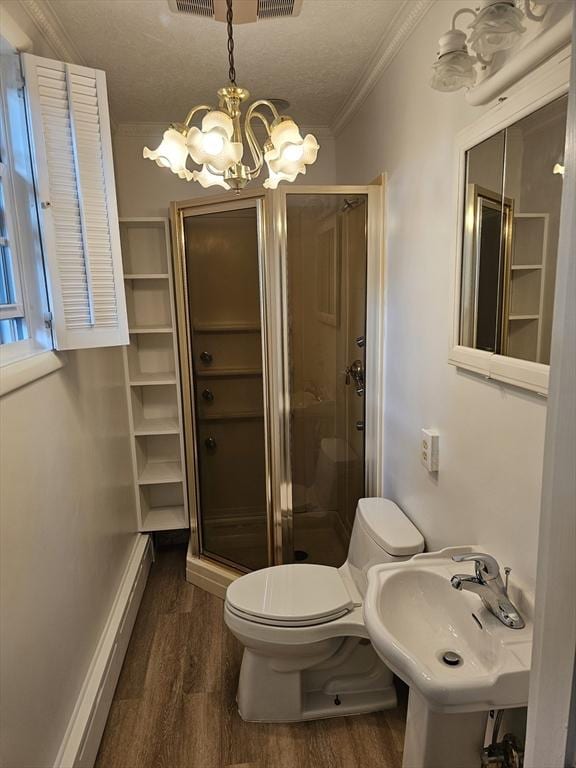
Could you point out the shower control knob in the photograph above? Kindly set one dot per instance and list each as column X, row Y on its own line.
column 360, row 426
column 210, row 443
column 208, row 395
column 361, row 341
column 206, row 357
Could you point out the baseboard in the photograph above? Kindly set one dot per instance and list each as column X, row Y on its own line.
column 80, row 745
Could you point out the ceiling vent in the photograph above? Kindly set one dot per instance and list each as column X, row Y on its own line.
column 244, row 12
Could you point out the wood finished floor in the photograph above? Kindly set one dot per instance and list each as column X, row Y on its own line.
column 175, row 707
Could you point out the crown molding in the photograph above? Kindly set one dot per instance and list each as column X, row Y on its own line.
column 155, row 130
column 49, row 26
column 409, row 15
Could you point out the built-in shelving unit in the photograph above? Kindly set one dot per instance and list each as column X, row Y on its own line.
column 153, row 387
column 524, row 320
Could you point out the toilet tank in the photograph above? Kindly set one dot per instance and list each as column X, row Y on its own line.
column 381, row 534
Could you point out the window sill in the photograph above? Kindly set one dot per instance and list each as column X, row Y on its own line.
column 21, row 372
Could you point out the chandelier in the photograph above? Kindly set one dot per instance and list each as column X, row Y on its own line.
column 497, row 26
column 218, row 145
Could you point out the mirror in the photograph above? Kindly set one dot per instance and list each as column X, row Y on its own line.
column 510, row 239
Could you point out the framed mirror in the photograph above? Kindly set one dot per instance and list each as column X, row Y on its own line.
column 511, row 192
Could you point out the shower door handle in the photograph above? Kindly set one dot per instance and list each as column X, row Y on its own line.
column 356, row 371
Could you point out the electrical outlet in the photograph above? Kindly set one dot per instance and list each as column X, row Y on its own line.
column 429, row 449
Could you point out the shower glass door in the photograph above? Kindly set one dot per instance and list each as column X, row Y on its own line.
column 222, row 252
column 326, row 255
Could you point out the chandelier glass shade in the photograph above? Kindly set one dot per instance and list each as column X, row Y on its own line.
column 219, row 144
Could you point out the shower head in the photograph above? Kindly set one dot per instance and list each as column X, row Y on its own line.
column 350, row 203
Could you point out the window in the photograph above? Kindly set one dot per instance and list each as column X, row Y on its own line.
column 23, row 299
column 61, row 281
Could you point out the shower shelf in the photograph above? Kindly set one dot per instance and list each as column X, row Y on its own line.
column 227, row 328
column 215, row 373
column 238, row 416
column 153, row 387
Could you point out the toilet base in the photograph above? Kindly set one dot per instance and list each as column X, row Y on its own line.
column 347, row 678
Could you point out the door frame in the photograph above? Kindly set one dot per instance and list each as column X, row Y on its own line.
column 201, row 570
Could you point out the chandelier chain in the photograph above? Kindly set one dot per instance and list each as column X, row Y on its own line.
column 229, row 20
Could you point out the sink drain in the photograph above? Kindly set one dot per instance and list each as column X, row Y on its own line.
column 452, row 659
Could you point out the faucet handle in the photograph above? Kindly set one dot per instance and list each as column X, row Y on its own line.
column 486, row 566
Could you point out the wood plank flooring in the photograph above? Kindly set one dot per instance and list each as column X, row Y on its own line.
column 175, row 707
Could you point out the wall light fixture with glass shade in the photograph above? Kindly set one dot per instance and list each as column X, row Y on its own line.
column 496, row 26
column 218, row 145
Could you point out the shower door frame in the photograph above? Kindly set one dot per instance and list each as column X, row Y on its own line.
column 215, row 575
column 374, row 351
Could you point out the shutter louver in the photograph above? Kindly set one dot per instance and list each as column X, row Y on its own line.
column 73, row 159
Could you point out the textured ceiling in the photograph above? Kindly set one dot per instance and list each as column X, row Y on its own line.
column 159, row 63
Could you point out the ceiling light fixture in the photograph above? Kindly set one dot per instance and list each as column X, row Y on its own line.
column 219, row 144
column 497, row 26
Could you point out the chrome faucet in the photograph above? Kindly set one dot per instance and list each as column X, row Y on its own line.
column 488, row 585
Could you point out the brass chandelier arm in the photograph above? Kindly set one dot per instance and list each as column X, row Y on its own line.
column 253, row 144
column 193, row 111
column 265, row 103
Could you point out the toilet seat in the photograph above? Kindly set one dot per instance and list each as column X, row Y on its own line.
column 295, row 595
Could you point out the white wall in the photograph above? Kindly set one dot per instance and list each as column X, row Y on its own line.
column 67, row 523
column 66, row 529
column 491, row 446
column 144, row 189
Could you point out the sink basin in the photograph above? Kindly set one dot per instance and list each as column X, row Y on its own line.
column 414, row 618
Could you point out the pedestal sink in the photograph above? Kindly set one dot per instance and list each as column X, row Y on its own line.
column 457, row 658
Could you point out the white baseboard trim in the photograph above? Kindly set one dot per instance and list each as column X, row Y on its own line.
column 82, row 739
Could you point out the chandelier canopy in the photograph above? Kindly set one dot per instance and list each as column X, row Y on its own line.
column 218, row 145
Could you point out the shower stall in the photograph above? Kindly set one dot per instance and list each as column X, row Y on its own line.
column 279, row 298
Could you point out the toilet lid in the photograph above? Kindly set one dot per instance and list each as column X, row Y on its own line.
column 285, row 594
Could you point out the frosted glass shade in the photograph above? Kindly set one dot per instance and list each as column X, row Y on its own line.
column 275, row 178
column 207, row 178
column 497, row 27
column 172, row 153
column 213, row 145
column 453, row 71
column 289, row 154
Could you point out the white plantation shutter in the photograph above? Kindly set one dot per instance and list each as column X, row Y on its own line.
column 68, row 109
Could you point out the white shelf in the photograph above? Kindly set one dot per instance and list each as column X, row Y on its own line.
column 165, row 519
column 146, row 276
column 160, row 472
column 167, row 426
column 152, row 379
column 151, row 374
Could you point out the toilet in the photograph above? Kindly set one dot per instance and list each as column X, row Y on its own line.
column 307, row 654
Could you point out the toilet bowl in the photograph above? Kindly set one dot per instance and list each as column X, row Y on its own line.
column 307, row 653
